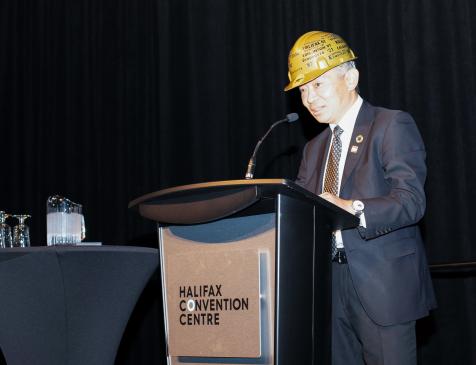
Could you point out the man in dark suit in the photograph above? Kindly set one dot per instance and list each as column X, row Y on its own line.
column 370, row 162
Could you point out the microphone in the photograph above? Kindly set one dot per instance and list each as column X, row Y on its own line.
column 290, row 118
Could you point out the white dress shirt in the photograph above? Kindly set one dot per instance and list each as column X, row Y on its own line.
column 347, row 124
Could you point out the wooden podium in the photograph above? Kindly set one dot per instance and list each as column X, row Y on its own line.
column 245, row 270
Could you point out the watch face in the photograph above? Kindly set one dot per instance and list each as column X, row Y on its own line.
column 358, row 205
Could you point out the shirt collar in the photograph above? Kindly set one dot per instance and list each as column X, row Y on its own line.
column 348, row 120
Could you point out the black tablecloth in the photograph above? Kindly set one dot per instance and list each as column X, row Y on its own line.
column 69, row 305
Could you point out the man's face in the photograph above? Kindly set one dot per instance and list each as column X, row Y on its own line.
column 329, row 96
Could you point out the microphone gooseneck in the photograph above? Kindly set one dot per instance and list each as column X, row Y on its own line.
column 290, row 118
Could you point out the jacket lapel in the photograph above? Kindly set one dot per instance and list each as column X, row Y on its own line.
column 321, row 161
column 358, row 141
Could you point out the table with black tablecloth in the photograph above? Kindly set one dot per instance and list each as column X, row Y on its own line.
column 69, row 305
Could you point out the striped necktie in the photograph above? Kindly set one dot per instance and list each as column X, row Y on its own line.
column 331, row 180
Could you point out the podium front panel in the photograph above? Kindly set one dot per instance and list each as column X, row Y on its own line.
column 218, row 289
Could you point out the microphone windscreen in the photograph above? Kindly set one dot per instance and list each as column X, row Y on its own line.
column 292, row 117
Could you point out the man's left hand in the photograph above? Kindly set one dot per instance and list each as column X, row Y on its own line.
column 341, row 203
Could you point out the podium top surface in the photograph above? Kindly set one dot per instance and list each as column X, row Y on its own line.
column 185, row 191
column 202, row 202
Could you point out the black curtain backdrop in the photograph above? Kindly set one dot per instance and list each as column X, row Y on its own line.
column 105, row 100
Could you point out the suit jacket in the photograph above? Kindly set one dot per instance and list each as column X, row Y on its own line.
column 387, row 173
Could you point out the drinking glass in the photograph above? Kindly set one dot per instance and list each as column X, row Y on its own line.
column 21, row 232
column 5, row 231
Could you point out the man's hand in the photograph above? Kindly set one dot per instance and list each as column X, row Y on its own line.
column 341, row 203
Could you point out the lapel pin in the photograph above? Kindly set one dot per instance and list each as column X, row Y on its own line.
column 359, row 138
column 354, row 149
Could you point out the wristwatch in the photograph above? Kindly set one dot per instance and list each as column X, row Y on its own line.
column 358, row 207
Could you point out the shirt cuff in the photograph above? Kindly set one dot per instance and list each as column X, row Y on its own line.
column 362, row 223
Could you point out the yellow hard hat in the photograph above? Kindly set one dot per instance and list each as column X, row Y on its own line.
column 313, row 54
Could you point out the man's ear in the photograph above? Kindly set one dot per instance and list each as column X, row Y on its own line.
column 352, row 79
